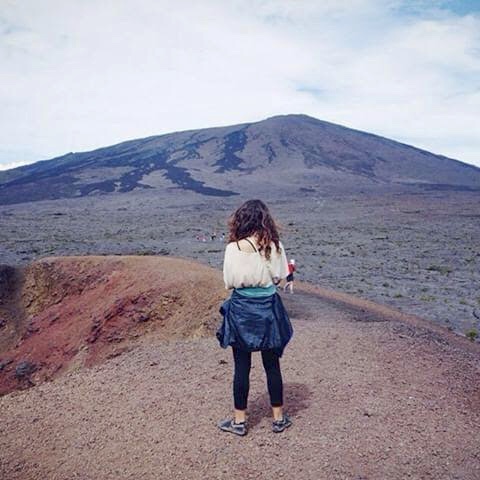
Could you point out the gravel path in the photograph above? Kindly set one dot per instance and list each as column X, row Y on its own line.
column 370, row 398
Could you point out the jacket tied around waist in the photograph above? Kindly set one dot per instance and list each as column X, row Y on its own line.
column 254, row 323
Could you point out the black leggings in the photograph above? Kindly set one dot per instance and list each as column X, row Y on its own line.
column 241, row 381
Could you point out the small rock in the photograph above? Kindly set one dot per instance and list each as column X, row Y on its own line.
column 5, row 363
column 24, row 369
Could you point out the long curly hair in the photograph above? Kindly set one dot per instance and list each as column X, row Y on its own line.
column 253, row 218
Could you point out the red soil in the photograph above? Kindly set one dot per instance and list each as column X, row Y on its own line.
column 78, row 310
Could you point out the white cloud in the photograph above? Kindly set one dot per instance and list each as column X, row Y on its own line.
column 9, row 165
column 80, row 75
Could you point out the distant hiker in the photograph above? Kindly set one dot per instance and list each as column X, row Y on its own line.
column 214, row 236
column 254, row 317
column 291, row 269
column 222, row 238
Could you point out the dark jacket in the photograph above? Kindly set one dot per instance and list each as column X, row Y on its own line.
column 254, row 323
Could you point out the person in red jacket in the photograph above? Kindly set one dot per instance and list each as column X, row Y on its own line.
column 290, row 278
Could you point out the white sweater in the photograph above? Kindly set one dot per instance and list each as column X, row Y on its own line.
column 252, row 269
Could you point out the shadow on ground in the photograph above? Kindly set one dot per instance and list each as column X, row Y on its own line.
column 297, row 397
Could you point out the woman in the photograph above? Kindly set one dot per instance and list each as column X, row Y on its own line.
column 254, row 318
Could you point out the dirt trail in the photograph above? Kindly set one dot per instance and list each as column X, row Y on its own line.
column 371, row 397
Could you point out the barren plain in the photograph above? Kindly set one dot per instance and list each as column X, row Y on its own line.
column 417, row 252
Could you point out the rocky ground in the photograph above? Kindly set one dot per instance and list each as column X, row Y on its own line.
column 373, row 394
column 417, row 252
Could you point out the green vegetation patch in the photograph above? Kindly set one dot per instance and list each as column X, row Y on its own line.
column 443, row 269
column 472, row 334
column 427, row 298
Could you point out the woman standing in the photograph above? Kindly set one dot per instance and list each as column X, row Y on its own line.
column 254, row 317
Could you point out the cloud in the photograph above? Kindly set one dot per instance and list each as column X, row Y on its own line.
column 80, row 75
column 9, row 165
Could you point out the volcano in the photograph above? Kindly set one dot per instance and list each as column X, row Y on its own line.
column 280, row 154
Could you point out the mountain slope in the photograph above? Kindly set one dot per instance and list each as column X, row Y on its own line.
column 282, row 153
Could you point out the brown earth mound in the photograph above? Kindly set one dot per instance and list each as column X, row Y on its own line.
column 60, row 313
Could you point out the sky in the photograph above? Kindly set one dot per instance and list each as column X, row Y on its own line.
column 79, row 75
